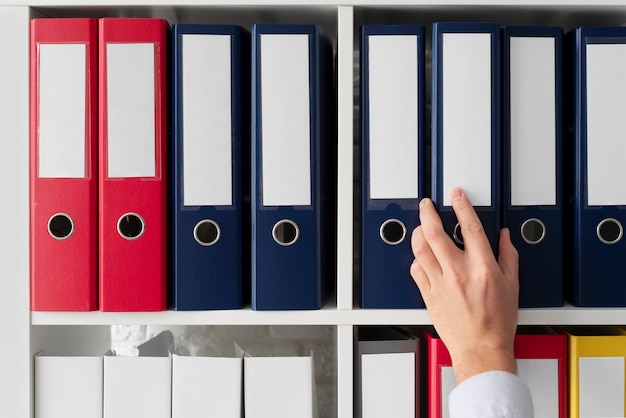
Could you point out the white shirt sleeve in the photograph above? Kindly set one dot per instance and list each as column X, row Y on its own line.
column 493, row 394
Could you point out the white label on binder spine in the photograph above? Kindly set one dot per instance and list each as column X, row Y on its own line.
column 467, row 135
column 207, row 120
column 285, row 120
column 448, row 383
column 393, row 117
column 131, row 110
column 606, row 107
column 62, row 104
column 601, row 386
column 533, row 121
column 542, row 378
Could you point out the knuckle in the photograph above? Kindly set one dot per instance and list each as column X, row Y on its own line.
column 472, row 227
column 463, row 204
column 431, row 233
column 420, row 250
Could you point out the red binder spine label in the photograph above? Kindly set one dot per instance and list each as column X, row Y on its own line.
column 133, row 231
column 63, row 165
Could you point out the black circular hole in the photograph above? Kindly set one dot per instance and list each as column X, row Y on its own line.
column 533, row 231
column 393, row 232
column 207, row 232
column 130, row 226
column 60, row 226
column 285, row 232
column 457, row 235
column 610, row 231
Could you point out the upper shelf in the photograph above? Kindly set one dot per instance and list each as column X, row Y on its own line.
column 567, row 315
column 385, row 3
column 565, row 13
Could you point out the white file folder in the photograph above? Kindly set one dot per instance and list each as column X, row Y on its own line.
column 137, row 387
column 387, row 373
column 68, row 387
column 207, row 387
column 279, row 387
column 389, row 385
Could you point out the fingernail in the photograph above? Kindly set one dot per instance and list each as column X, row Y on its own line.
column 456, row 193
column 423, row 202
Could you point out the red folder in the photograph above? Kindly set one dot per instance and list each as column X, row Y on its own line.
column 133, row 170
column 438, row 357
column 546, row 343
column 63, row 164
column 530, row 344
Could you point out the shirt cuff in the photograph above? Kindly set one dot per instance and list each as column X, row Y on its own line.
column 493, row 394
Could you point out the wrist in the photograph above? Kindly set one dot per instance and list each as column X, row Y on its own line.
column 473, row 362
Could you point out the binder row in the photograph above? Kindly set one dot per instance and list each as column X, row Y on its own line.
column 524, row 119
column 521, row 118
column 251, row 161
column 571, row 372
column 159, row 385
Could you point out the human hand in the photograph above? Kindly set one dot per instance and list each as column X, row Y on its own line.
column 472, row 299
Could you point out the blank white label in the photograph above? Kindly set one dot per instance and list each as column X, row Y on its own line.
column 388, row 385
column 131, row 110
column 285, row 120
column 62, row 104
column 466, row 116
column 606, row 107
column 448, row 383
column 533, row 121
column 207, row 120
column 393, row 116
column 601, row 386
column 542, row 378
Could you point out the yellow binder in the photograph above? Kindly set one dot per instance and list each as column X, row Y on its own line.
column 597, row 357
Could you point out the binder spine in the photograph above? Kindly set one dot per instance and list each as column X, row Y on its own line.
column 596, row 261
column 388, row 221
column 489, row 213
column 541, row 253
column 134, row 263
column 212, row 274
column 63, row 186
column 291, row 275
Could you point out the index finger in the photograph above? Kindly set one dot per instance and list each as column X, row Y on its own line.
column 435, row 236
column 474, row 237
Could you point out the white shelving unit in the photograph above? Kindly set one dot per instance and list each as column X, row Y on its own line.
column 23, row 333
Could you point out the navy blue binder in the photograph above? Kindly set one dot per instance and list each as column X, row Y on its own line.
column 533, row 159
column 211, row 72
column 393, row 162
column 466, row 122
column 599, row 210
column 293, row 167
